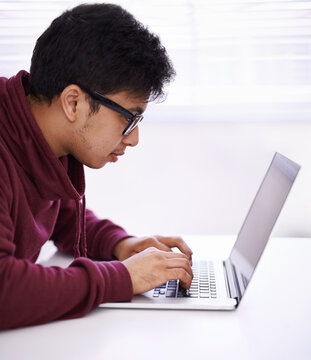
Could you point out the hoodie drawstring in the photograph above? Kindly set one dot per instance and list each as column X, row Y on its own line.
column 84, row 244
column 76, row 247
column 79, row 233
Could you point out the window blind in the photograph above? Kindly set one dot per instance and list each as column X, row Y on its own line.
column 234, row 59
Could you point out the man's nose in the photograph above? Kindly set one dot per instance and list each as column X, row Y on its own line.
column 132, row 138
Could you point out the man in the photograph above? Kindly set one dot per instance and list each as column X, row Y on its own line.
column 93, row 71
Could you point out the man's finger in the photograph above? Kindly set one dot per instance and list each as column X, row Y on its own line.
column 174, row 255
column 176, row 242
column 179, row 263
column 153, row 241
column 182, row 275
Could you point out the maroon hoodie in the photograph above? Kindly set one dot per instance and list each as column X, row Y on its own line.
column 42, row 198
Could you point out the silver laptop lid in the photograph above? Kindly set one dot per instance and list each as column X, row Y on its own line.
column 261, row 219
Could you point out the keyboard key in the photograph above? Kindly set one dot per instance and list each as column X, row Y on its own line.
column 170, row 293
column 203, row 284
column 204, row 295
column 193, row 290
column 172, row 282
column 194, row 295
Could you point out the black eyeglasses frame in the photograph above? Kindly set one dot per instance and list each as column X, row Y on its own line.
column 133, row 119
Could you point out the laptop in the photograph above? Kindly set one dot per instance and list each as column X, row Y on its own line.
column 221, row 284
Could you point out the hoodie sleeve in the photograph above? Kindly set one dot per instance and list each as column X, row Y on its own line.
column 33, row 294
column 101, row 235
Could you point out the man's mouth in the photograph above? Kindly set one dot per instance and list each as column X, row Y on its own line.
column 115, row 156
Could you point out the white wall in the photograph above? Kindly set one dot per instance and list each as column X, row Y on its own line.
column 200, row 178
column 245, row 60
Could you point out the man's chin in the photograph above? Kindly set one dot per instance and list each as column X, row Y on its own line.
column 96, row 165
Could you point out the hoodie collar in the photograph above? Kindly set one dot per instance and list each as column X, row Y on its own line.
column 54, row 178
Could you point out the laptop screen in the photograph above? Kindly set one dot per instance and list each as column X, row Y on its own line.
column 261, row 218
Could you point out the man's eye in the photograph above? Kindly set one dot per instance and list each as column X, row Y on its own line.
column 123, row 118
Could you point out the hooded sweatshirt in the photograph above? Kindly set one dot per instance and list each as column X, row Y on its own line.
column 42, row 198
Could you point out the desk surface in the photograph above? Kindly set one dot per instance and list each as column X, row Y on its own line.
column 273, row 320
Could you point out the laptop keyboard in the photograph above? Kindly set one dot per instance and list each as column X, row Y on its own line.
column 203, row 284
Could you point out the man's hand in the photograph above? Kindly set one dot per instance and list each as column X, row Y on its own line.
column 134, row 245
column 153, row 267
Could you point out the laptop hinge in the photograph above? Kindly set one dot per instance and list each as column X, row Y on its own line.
column 230, row 282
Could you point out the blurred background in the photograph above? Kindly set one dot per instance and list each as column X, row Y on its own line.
column 242, row 92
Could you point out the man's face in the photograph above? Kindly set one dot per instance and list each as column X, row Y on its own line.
column 98, row 138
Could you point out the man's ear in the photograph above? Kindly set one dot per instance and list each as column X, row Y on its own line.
column 71, row 97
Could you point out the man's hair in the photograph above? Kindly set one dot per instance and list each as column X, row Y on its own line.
column 100, row 47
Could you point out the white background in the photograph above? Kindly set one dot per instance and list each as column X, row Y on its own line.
column 241, row 93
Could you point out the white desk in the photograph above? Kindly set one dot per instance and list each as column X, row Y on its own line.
column 272, row 322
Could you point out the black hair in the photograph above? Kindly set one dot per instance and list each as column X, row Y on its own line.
column 100, row 47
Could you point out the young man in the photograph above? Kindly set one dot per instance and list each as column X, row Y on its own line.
column 92, row 74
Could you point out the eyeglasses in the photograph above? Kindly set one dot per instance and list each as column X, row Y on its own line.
column 132, row 119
